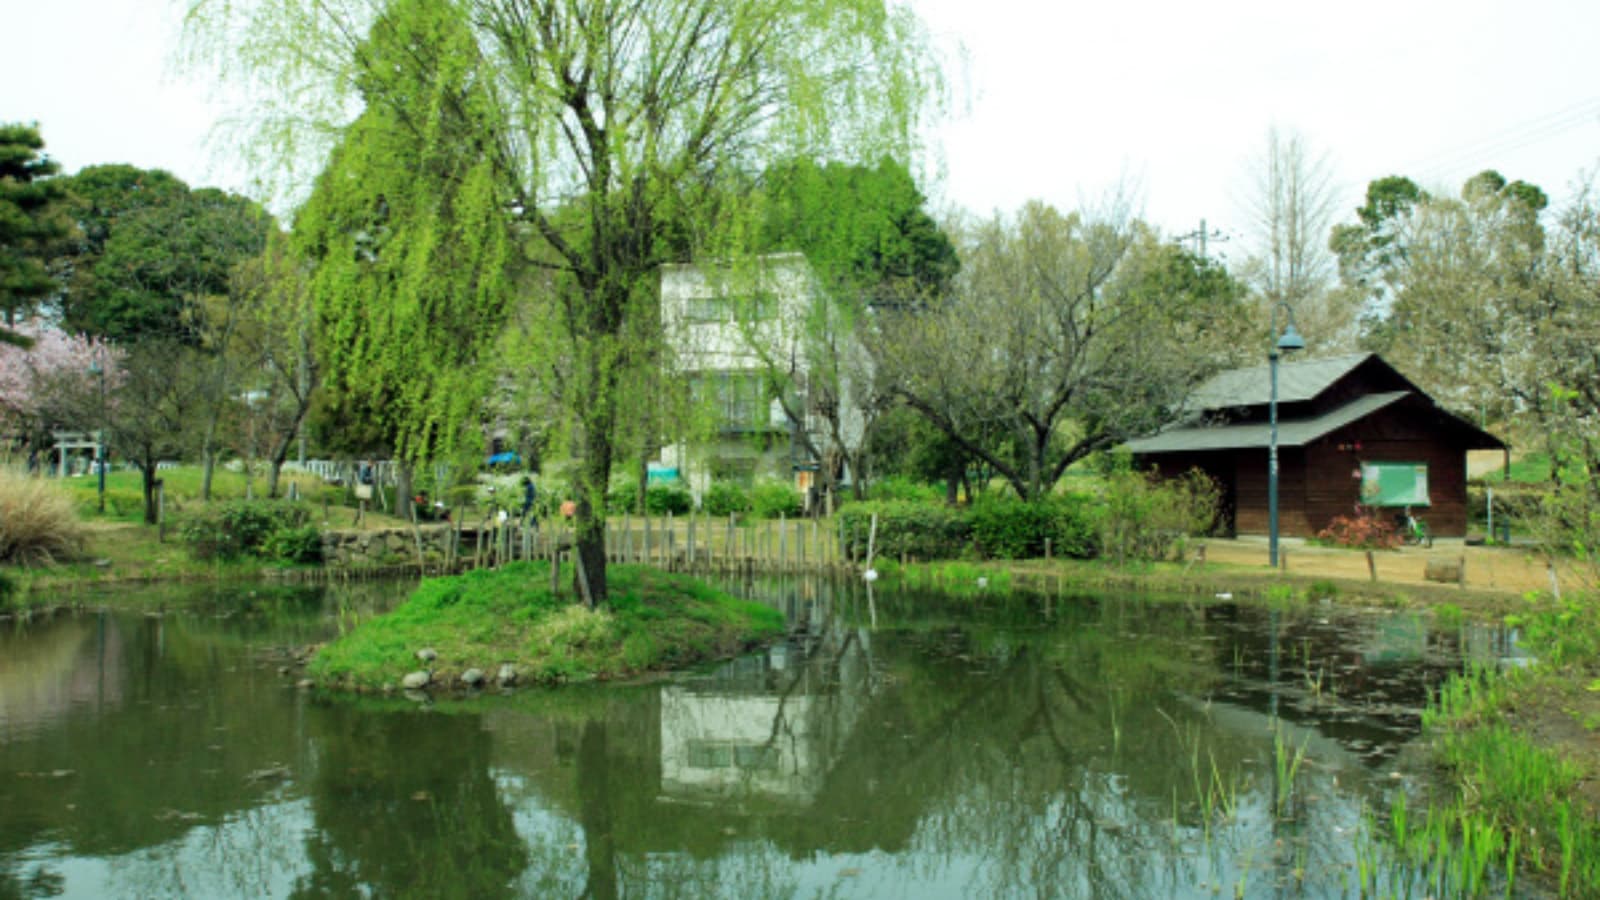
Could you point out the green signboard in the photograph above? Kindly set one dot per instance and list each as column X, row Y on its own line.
column 1394, row 484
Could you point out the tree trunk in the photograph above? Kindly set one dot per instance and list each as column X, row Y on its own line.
column 590, row 572
column 209, row 466
column 147, row 477
column 402, row 491
column 644, row 482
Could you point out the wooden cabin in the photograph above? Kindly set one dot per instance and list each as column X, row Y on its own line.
column 1351, row 430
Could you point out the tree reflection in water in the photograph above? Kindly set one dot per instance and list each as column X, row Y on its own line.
column 404, row 806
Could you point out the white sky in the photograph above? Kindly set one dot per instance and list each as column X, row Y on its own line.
column 1062, row 99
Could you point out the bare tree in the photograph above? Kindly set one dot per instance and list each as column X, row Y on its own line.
column 1064, row 335
column 1291, row 206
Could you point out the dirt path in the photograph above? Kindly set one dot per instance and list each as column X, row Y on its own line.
column 1513, row 570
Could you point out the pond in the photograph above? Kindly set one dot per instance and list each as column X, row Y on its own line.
column 906, row 745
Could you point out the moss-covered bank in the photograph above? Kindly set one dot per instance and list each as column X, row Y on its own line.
column 489, row 618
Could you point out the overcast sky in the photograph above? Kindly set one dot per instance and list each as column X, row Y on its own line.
column 1061, row 100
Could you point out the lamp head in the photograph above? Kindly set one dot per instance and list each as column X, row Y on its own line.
column 1291, row 339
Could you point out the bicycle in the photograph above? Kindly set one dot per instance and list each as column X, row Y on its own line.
column 1413, row 530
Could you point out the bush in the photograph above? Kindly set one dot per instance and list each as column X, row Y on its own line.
column 240, row 527
column 770, row 499
column 1143, row 517
column 919, row 530
column 725, row 498
column 898, row 487
column 38, row 524
column 1014, row 529
column 301, row 544
column 659, row 499
column 1366, row 530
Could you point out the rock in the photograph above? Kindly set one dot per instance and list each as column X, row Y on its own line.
column 473, row 678
column 1448, row 571
column 507, row 675
column 417, row 696
column 416, row 681
column 427, row 654
column 305, row 684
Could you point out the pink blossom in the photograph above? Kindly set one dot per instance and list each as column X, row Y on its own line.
column 32, row 381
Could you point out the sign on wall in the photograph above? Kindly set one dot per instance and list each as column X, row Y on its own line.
column 1394, row 484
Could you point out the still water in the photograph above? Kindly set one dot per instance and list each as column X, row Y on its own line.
column 911, row 746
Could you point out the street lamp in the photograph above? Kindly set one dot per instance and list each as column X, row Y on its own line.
column 1289, row 340
column 95, row 368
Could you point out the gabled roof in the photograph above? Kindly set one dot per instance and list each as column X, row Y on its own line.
column 1297, row 381
column 1297, row 433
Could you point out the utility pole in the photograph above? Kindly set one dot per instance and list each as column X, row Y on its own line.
column 1201, row 236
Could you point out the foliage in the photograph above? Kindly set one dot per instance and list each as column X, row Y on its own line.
column 240, row 527
column 1367, row 529
column 149, row 246
column 1018, row 529
column 603, row 136
column 900, row 487
column 659, row 499
column 917, row 530
column 1074, row 333
column 38, row 524
column 294, row 544
column 771, row 499
column 655, row 621
column 1150, row 518
column 411, row 244
column 724, row 498
column 31, row 221
column 37, row 382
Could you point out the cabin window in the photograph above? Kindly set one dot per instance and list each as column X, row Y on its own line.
column 1394, row 484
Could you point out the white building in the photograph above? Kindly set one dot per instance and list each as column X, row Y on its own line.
column 742, row 333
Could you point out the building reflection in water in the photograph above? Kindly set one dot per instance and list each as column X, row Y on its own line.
column 769, row 727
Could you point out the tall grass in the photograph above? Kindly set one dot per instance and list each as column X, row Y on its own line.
column 38, row 525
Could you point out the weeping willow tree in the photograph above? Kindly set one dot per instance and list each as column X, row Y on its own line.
column 603, row 132
column 411, row 244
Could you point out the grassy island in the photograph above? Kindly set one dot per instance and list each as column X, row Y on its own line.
column 488, row 618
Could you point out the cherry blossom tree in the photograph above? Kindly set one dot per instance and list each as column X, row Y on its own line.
column 54, row 382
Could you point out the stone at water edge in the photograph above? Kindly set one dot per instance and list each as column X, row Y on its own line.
column 415, row 681
column 427, row 654
column 473, row 678
column 507, row 675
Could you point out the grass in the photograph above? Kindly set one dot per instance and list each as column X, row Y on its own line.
column 37, row 522
column 655, row 621
column 1529, row 468
column 125, row 490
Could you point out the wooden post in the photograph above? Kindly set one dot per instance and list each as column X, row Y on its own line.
column 649, row 557
column 555, row 570
column 872, row 541
column 692, row 559
column 783, row 542
column 1046, row 549
column 1461, row 571
column 627, row 538
column 671, row 548
column 1372, row 566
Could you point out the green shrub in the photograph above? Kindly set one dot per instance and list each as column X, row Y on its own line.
column 659, row 499
column 38, row 524
column 919, row 530
column 725, row 498
column 898, row 487
column 1143, row 517
column 295, row 544
column 239, row 527
column 1014, row 529
column 770, row 499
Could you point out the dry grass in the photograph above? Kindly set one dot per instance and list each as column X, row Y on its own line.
column 38, row 524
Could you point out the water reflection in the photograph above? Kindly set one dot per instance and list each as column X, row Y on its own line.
column 977, row 746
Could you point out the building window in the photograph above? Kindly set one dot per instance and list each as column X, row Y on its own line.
column 738, row 400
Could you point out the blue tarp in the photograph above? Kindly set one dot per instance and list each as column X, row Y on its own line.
column 507, row 458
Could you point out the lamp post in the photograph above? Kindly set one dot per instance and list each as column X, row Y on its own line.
column 1289, row 340
column 97, row 368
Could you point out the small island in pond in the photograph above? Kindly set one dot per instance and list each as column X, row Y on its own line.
column 464, row 631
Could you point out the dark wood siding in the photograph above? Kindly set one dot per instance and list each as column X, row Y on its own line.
column 1321, row 481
